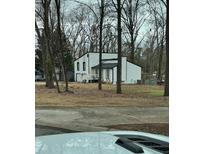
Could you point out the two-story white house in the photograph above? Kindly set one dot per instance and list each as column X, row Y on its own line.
column 86, row 69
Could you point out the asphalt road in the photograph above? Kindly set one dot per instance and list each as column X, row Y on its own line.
column 98, row 118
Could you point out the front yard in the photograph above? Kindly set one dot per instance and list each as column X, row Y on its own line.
column 89, row 95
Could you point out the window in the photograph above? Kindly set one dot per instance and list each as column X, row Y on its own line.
column 96, row 71
column 84, row 68
column 107, row 74
column 78, row 67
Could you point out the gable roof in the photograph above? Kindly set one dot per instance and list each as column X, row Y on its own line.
column 95, row 52
column 134, row 63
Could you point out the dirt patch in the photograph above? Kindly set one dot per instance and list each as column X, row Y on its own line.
column 156, row 128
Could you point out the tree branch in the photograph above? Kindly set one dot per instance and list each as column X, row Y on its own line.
column 88, row 7
column 39, row 14
column 164, row 3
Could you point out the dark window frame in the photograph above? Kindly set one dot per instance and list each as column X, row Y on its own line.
column 78, row 66
column 107, row 74
column 84, row 66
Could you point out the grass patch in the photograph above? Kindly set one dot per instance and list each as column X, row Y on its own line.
column 156, row 128
column 88, row 95
column 143, row 90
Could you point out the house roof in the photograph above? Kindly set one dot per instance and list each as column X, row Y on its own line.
column 106, row 66
column 97, row 53
column 134, row 64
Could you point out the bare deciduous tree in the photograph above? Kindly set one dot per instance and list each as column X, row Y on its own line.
column 61, row 49
column 133, row 19
column 166, row 89
column 45, row 39
column 100, row 44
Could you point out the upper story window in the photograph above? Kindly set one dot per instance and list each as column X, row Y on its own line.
column 78, row 67
column 84, row 66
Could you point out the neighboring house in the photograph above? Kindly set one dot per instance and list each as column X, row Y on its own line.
column 39, row 75
column 86, row 69
column 60, row 75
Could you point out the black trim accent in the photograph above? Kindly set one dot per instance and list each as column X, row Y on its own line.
column 134, row 64
column 109, row 59
column 127, row 144
column 105, row 66
column 152, row 143
column 112, row 75
column 78, row 66
column 95, row 52
column 88, row 56
column 84, row 66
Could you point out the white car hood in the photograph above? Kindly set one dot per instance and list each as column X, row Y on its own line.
column 88, row 143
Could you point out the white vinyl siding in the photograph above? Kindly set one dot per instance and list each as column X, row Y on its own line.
column 130, row 72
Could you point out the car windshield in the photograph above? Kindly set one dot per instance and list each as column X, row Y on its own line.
column 101, row 66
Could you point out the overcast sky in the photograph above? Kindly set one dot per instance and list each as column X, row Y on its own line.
column 70, row 4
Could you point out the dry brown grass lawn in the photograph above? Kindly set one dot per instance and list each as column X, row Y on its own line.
column 88, row 95
column 156, row 128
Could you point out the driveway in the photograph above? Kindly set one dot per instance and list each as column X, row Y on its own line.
column 98, row 118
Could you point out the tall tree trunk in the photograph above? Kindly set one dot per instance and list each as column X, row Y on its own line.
column 131, row 30
column 49, row 72
column 159, row 76
column 51, row 49
column 119, row 74
column 132, row 48
column 100, row 49
column 58, row 6
column 53, row 69
column 166, row 88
